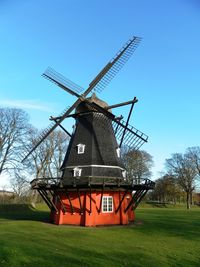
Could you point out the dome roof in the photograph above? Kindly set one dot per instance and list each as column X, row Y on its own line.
column 83, row 106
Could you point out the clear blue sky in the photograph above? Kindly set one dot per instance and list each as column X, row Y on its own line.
column 77, row 38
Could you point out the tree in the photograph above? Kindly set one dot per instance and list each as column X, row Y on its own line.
column 166, row 189
column 193, row 154
column 16, row 138
column 138, row 164
column 14, row 126
column 46, row 160
column 182, row 168
column 19, row 184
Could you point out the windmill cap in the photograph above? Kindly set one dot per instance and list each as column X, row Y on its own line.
column 84, row 106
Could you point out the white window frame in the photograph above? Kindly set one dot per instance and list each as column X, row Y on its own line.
column 77, row 172
column 124, row 174
column 118, row 150
column 80, row 148
column 107, row 204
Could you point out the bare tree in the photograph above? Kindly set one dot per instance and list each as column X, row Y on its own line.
column 167, row 190
column 193, row 153
column 14, row 126
column 16, row 136
column 46, row 160
column 19, row 184
column 182, row 168
column 138, row 164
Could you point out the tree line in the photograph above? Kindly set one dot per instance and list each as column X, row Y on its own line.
column 181, row 178
column 17, row 136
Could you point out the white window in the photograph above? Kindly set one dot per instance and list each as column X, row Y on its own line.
column 118, row 152
column 107, row 204
column 81, row 148
column 124, row 173
column 77, row 171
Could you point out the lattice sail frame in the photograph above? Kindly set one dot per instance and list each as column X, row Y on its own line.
column 116, row 63
column 55, row 77
column 133, row 138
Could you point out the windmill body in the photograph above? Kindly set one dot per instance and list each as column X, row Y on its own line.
column 93, row 188
column 93, row 148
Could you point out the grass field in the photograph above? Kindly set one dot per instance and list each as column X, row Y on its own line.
column 159, row 237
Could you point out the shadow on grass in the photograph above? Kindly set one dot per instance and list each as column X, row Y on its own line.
column 22, row 212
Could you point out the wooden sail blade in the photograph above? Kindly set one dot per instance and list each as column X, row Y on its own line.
column 111, row 69
column 64, row 83
column 52, row 127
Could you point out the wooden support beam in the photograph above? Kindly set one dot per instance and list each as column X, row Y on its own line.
column 134, row 199
column 45, row 200
column 139, row 200
column 121, row 201
column 62, row 204
column 135, row 100
column 70, row 202
column 90, row 200
column 60, row 200
column 48, row 201
column 56, row 120
column 101, row 199
column 129, row 115
column 79, row 198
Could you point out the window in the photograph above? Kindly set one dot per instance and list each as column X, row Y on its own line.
column 124, row 173
column 107, row 204
column 81, row 148
column 77, row 171
column 118, row 152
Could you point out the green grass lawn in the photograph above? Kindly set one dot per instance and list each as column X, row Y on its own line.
column 159, row 237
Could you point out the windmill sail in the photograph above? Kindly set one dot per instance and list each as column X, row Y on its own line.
column 111, row 69
column 105, row 75
column 98, row 84
column 61, row 81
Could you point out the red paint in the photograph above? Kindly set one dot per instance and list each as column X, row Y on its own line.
column 96, row 217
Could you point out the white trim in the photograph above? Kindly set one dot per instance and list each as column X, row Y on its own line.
column 118, row 151
column 98, row 166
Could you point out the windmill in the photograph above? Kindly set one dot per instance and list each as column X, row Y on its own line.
column 93, row 188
